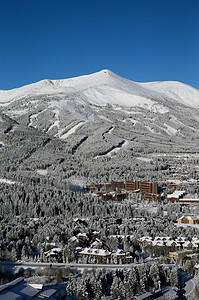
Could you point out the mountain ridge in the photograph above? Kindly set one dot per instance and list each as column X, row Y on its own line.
column 156, row 90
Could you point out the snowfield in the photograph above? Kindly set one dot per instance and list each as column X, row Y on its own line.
column 71, row 131
column 4, row 180
column 106, row 87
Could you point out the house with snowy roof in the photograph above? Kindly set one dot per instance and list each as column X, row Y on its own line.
column 121, row 257
column 90, row 255
column 188, row 219
column 19, row 289
column 101, row 256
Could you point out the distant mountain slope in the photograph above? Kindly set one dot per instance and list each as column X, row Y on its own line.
column 177, row 91
column 103, row 112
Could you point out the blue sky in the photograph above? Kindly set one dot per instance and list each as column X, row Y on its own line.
column 146, row 40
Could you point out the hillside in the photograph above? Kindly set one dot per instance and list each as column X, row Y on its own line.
column 85, row 120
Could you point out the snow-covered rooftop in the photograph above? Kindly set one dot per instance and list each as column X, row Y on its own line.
column 176, row 194
column 97, row 252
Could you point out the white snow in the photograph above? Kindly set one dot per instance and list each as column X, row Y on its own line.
column 34, row 116
column 103, row 118
column 111, row 130
column 71, row 131
column 106, row 87
column 115, row 150
column 175, row 90
column 158, row 108
column 14, row 113
column 145, row 159
column 4, row 180
column 97, row 252
column 175, row 121
column 170, row 130
column 55, row 124
column 61, row 131
column 196, row 226
column 113, row 95
column 42, row 172
column 131, row 120
column 149, row 128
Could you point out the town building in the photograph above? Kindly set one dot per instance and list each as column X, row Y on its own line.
column 117, row 185
column 20, row 289
column 115, row 190
column 189, row 201
column 175, row 186
column 131, row 186
column 142, row 186
column 184, row 254
column 54, row 253
column 175, row 196
column 189, row 219
column 148, row 187
column 94, row 188
column 151, row 197
column 99, row 256
column 113, row 196
column 121, row 257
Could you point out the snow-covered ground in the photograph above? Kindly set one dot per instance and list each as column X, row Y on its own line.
column 55, row 124
column 145, row 159
column 115, row 150
column 42, row 172
column 175, row 90
column 34, row 116
column 71, row 131
column 110, row 130
column 196, row 226
column 170, row 130
column 62, row 130
column 4, row 180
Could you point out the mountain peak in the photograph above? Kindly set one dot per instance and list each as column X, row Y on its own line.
column 106, row 71
column 105, row 86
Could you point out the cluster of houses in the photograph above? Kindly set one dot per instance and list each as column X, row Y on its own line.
column 101, row 256
column 181, row 198
column 118, row 190
column 91, row 249
column 53, row 254
column 178, row 243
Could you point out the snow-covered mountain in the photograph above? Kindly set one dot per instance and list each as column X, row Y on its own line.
column 106, row 108
column 106, row 87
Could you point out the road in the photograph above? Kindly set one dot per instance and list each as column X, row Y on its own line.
column 65, row 265
column 190, row 288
